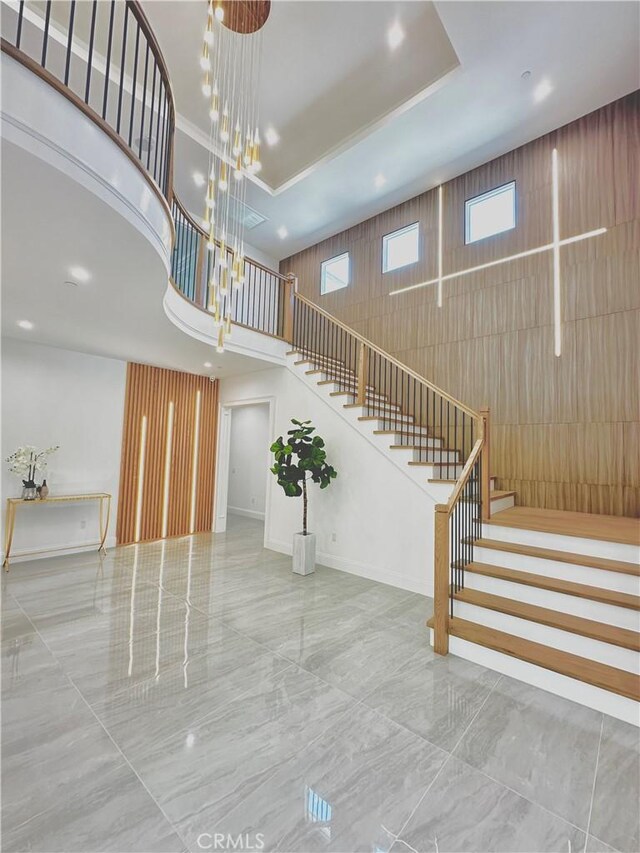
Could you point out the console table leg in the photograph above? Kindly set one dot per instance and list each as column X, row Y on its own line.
column 10, row 522
column 104, row 523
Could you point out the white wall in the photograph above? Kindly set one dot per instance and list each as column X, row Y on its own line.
column 249, row 460
column 372, row 520
column 53, row 396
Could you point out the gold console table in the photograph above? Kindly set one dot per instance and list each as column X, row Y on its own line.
column 13, row 503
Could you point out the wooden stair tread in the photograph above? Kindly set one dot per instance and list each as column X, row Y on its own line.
column 561, row 556
column 371, row 403
column 422, row 447
column 609, row 528
column 555, row 619
column 591, row 672
column 405, row 432
column 438, row 464
column 594, row 593
column 496, row 494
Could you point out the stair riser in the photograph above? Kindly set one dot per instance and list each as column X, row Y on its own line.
column 556, row 542
column 570, row 688
column 502, row 503
column 585, row 607
column 417, row 439
column 562, row 571
column 435, row 455
column 555, row 638
column 390, row 421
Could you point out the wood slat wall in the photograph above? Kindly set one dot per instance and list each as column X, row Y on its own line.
column 565, row 431
column 149, row 392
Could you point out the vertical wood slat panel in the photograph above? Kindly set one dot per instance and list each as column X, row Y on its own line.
column 149, row 392
column 491, row 342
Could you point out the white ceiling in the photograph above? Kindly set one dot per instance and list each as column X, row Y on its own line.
column 346, row 109
column 118, row 313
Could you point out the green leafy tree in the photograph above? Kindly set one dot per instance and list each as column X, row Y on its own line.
column 299, row 459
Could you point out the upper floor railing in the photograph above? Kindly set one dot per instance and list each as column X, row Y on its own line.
column 258, row 303
column 104, row 57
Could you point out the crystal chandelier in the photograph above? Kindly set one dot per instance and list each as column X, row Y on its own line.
column 230, row 62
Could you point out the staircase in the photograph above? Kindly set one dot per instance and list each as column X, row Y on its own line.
column 547, row 597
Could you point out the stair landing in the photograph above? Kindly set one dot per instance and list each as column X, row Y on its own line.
column 609, row 528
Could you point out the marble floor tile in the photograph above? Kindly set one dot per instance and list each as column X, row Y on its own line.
column 141, row 717
column 365, row 654
column 351, row 790
column 465, row 811
column 412, row 612
column 594, row 845
column 201, row 773
column 435, row 697
column 541, row 745
column 615, row 815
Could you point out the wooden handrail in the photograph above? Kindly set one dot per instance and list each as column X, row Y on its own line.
column 473, row 414
column 197, row 227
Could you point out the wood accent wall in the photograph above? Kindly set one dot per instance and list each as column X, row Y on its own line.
column 565, row 431
column 149, row 392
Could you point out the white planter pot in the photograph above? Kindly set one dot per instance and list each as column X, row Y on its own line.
column 304, row 553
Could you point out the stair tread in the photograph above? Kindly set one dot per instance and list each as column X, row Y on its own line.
column 561, row 556
column 605, row 596
column 609, row 528
column 611, row 634
column 422, row 447
column 438, row 465
column 591, row 672
column 371, row 403
column 497, row 493
column 404, row 432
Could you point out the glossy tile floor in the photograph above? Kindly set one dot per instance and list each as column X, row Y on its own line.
column 196, row 695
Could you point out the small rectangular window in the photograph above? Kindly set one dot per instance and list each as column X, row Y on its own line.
column 401, row 248
column 334, row 273
column 490, row 213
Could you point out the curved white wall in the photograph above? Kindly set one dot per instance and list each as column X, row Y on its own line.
column 46, row 124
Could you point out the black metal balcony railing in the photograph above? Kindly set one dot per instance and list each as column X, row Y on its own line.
column 258, row 303
column 104, row 57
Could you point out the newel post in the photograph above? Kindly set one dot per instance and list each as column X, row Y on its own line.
column 441, row 581
column 363, row 371
column 289, row 290
column 485, row 486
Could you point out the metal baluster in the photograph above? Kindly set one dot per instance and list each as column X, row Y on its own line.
column 92, row 33
column 45, row 34
column 153, row 95
column 133, row 85
column 144, row 101
column 108, row 63
column 122, row 66
column 157, row 141
column 72, row 14
column 19, row 25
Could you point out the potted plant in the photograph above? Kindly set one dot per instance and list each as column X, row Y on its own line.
column 24, row 462
column 302, row 457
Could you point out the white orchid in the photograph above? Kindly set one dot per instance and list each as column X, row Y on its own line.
column 26, row 460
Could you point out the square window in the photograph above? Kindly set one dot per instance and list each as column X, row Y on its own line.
column 490, row 213
column 334, row 273
column 401, row 248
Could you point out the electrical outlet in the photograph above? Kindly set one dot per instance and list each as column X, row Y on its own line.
column 334, row 537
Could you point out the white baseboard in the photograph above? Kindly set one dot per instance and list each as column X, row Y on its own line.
column 247, row 513
column 353, row 567
column 59, row 550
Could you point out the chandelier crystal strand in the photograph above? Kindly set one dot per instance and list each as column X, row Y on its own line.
column 230, row 61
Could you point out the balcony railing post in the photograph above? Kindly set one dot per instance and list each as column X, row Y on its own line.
column 201, row 275
column 441, row 581
column 485, row 485
column 363, row 371
column 290, row 289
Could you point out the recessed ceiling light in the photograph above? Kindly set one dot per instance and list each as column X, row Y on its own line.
column 395, row 35
column 79, row 274
column 25, row 324
column 271, row 136
column 379, row 180
column 198, row 179
column 542, row 90
column 282, row 232
column 208, row 364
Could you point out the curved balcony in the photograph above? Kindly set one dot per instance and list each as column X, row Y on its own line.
column 260, row 304
column 104, row 58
